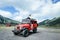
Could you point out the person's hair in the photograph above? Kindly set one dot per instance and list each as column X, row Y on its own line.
column 28, row 17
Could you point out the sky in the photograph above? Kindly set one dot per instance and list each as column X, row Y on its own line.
column 39, row 9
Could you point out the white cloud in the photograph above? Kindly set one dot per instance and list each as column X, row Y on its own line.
column 24, row 12
column 40, row 9
column 35, row 5
column 48, row 11
column 5, row 13
column 56, row 9
column 17, row 18
column 51, row 10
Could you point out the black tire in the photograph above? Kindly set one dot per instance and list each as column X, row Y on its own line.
column 34, row 30
column 25, row 32
column 15, row 33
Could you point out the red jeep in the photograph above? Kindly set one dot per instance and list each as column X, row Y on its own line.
column 25, row 27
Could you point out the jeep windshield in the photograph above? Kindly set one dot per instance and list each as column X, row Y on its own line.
column 25, row 21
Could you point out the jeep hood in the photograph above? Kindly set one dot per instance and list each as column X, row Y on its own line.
column 23, row 25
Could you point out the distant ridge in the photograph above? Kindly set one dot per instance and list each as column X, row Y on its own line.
column 4, row 20
column 51, row 22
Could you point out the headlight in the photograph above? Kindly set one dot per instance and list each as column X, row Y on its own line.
column 20, row 27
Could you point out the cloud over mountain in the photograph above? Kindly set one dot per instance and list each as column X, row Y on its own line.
column 39, row 9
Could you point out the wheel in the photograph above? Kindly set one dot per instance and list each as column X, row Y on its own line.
column 15, row 33
column 25, row 32
column 34, row 30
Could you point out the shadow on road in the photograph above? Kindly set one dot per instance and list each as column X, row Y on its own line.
column 30, row 33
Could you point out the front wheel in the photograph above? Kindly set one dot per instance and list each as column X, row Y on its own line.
column 15, row 33
column 25, row 32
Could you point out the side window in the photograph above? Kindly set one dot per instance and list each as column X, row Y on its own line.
column 32, row 22
column 35, row 21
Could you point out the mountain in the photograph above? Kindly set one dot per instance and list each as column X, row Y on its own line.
column 54, row 21
column 51, row 22
column 45, row 22
column 4, row 20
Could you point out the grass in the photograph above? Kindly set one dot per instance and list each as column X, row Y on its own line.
column 55, row 27
column 4, row 27
column 51, row 29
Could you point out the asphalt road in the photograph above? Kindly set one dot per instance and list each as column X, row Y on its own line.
column 42, row 34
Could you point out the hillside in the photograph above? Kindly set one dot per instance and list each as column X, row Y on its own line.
column 51, row 22
column 4, row 20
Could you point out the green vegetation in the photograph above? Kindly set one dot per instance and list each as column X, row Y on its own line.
column 53, row 23
column 4, row 20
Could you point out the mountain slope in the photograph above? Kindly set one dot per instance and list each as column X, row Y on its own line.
column 4, row 20
column 51, row 22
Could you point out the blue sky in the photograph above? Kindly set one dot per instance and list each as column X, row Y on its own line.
column 55, row 1
column 39, row 9
column 9, row 9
